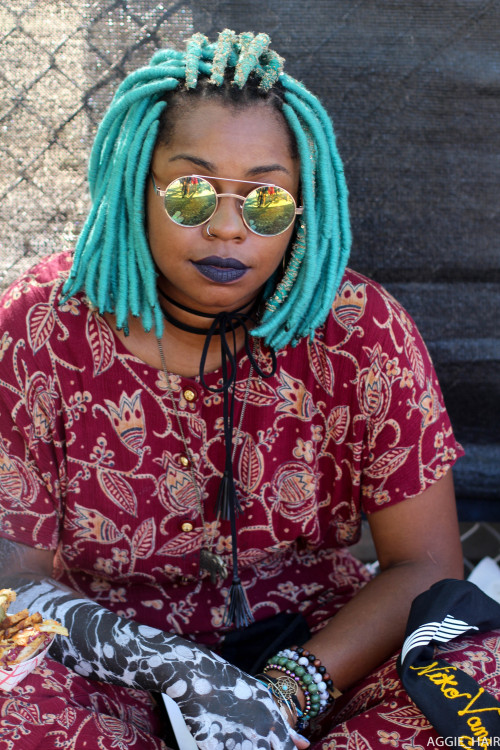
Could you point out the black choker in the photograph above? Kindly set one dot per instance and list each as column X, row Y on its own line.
column 237, row 315
column 228, row 505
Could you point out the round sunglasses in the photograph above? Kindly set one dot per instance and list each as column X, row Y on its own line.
column 192, row 200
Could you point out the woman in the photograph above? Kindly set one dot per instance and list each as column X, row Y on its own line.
column 190, row 430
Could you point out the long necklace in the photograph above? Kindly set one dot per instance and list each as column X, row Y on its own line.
column 223, row 324
column 210, row 561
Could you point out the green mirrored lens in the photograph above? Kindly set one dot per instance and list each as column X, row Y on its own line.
column 269, row 210
column 190, row 201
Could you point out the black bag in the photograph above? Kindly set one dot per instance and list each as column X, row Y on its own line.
column 249, row 648
column 453, row 701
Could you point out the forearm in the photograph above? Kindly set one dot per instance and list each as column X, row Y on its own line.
column 99, row 642
column 371, row 627
column 216, row 698
column 413, row 554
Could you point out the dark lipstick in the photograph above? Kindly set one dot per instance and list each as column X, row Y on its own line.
column 221, row 270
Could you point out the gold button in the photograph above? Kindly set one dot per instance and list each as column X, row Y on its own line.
column 184, row 460
column 187, row 526
column 189, row 394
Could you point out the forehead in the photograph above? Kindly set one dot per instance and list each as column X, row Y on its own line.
column 230, row 137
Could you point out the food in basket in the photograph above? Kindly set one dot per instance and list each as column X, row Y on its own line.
column 23, row 635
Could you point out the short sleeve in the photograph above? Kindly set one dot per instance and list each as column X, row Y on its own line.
column 31, row 452
column 409, row 442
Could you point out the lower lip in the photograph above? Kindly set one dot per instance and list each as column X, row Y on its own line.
column 221, row 275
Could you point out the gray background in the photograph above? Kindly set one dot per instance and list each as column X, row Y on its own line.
column 413, row 89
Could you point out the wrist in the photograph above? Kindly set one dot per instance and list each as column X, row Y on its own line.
column 284, row 691
column 301, row 667
column 301, row 698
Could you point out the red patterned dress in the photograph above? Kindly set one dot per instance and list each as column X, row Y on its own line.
column 93, row 465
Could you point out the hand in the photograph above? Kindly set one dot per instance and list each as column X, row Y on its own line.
column 223, row 706
column 299, row 741
column 290, row 716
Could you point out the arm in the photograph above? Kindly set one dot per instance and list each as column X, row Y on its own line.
column 217, row 699
column 417, row 543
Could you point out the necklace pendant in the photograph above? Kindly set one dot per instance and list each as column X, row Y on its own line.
column 213, row 564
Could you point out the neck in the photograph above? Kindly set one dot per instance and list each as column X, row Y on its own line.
column 190, row 334
column 200, row 322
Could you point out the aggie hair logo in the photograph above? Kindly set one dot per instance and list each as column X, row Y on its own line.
column 463, row 742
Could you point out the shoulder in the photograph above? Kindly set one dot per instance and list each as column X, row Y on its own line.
column 367, row 339
column 360, row 297
column 33, row 314
column 365, row 308
column 40, row 283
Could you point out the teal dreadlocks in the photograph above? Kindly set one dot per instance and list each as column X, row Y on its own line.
column 113, row 262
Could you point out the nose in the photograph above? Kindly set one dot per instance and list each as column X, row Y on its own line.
column 227, row 221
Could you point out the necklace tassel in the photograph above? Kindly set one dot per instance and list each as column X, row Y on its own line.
column 238, row 610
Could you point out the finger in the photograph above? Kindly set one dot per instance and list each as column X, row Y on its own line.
column 277, row 743
column 287, row 716
column 299, row 741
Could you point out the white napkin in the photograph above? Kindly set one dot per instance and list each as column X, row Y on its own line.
column 184, row 738
column 486, row 576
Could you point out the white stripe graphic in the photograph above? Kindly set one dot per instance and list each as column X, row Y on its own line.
column 443, row 632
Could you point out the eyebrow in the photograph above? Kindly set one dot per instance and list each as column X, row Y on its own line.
column 210, row 167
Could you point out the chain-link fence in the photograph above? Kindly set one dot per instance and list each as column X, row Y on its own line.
column 413, row 88
column 61, row 61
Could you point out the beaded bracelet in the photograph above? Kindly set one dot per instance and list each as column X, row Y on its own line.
column 316, row 689
column 311, row 676
column 333, row 692
column 305, row 681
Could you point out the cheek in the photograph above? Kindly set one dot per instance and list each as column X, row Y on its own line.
column 163, row 234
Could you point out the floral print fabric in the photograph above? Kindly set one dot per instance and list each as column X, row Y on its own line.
column 56, row 708
column 378, row 712
column 93, row 464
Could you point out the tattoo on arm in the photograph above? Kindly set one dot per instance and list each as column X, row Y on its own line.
column 218, row 701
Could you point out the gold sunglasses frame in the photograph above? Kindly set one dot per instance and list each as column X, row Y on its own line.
column 162, row 193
